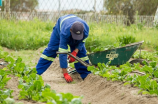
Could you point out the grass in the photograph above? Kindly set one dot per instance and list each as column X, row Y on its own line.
column 29, row 57
column 107, row 34
column 26, row 37
column 31, row 35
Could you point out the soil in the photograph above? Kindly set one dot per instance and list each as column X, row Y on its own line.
column 94, row 89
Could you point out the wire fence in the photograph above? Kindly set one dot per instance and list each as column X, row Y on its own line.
column 89, row 10
column 116, row 19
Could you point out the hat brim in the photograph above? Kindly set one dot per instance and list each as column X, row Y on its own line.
column 76, row 36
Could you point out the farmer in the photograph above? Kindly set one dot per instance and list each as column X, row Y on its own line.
column 69, row 30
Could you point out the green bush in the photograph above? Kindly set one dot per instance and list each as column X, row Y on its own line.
column 126, row 39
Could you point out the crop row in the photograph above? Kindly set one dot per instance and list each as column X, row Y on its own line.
column 32, row 85
column 144, row 77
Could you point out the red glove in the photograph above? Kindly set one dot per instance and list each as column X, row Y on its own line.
column 67, row 77
column 71, row 59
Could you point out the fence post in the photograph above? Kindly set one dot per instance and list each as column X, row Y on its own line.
column 59, row 9
column 7, row 8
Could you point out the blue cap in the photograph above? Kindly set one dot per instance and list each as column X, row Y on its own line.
column 77, row 30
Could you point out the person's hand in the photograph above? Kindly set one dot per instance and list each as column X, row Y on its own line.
column 67, row 77
column 71, row 59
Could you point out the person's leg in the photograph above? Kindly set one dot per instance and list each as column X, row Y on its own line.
column 81, row 69
column 49, row 54
column 45, row 60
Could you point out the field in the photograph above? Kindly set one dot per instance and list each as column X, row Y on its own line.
column 23, row 42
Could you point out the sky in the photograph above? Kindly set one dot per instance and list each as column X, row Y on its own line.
column 53, row 5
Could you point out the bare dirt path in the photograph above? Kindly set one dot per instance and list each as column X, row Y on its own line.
column 95, row 90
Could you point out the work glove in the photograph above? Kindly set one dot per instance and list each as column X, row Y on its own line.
column 67, row 77
column 71, row 59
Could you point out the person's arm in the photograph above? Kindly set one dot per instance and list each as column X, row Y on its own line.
column 63, row 48
column 66, row 75
column 64, row 70
column 74, row 53
column 76, row 50
column 63, row 58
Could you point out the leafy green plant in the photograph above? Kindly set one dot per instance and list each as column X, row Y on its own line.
column 146, row 82
column 149, row 56
column 95, row 48
column 126, row 39
column 32, row 85
column 3, row 78
column 51, row 97
column 9, row 100
column 4, row 93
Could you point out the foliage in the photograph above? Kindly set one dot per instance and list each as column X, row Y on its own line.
column 130, row 7
column 24, row 34
column 36, row 34
column 99, row 37
column 32, row 85
column 3, row 78
column 18, row 5
column 147, row 83
column 125, row 39
column 147, row 7
column 4, row 93
column 121, row 7
column 149, row 56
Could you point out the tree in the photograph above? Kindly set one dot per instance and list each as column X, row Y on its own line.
column 23, row 5
column 146, row 7
column 129, row 8
column 129, row 11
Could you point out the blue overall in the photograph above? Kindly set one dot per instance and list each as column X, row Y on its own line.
column 59, row 41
